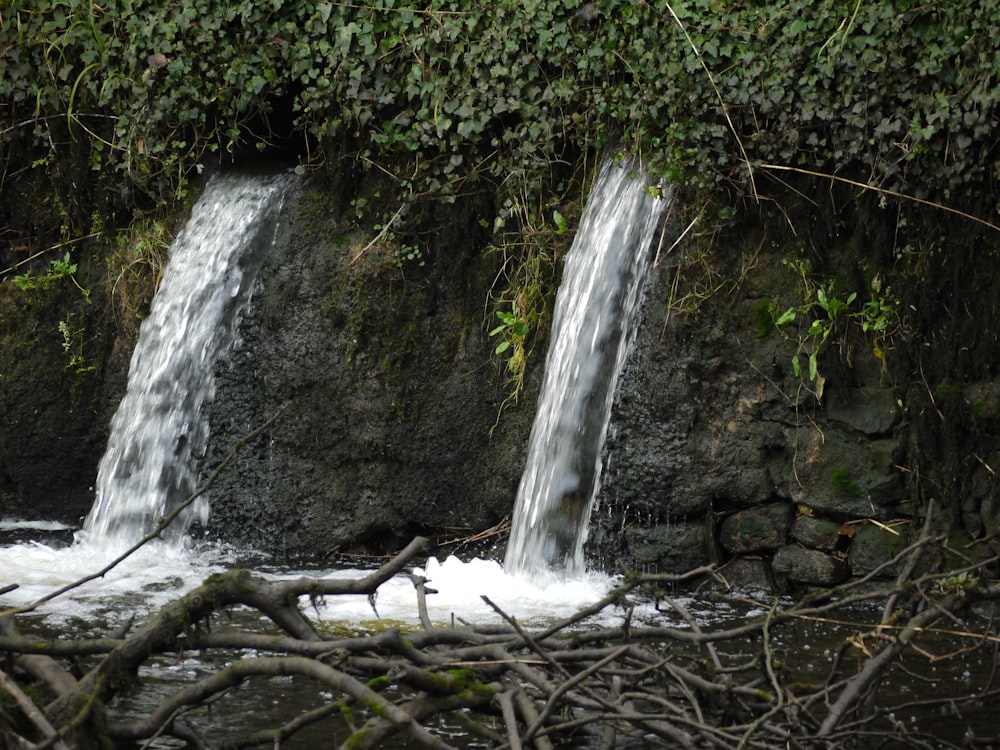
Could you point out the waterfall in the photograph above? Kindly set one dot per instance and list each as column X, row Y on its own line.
column 592, row 330
column 159, row 432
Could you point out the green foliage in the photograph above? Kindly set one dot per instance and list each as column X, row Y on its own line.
column 116, row 104
column 510, row 328
column 959, row 582
column 59, row 269
column 823, row 311
column 135, row 264
column 146, row 91
column 530, row 238
column 72, row 329
column 73, row 339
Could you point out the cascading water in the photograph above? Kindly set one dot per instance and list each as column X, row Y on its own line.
column 592, row 330
column 158, row 432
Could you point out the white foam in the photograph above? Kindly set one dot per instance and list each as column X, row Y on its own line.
column 13, row 524
column 459, row 588
column 159, row 573
column 154, row 575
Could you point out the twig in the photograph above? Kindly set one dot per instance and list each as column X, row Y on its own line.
column 530, row 714
column 509, row 719
column 420, row 584
column 572, row 682
column 49, row 249
column 884, row 191
column 378, row 237
column 722, row 101
column 32, row 712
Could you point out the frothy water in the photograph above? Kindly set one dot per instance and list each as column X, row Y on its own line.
column 150, row 578
column 460, row 587
column 159, row 432
column 592, row 330
column 161, row 572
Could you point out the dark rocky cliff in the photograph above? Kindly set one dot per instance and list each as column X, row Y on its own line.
column 392, row 393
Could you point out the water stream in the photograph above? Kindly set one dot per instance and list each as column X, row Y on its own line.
column 159, row 432
column 592, row 329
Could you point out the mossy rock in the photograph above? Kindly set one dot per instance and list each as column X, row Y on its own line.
column 875, row 545
column 756, row 529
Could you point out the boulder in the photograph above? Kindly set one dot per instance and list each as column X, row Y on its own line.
column 874, row 545
column 817, row 533
column 748, row 574
column 810, row 566
column 668, row 548
column 756, row 529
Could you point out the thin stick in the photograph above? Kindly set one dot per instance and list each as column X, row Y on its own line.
column 378, row 237
column 48, row 250
column 568, row 685
column 722, row 102
column 509, row 719
column 31, row 711
column 883, row 191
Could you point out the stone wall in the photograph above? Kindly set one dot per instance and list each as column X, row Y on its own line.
column 719, row 451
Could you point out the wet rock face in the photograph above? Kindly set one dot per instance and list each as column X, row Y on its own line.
column 391, row 401
column 713, row 429
column 55, row 414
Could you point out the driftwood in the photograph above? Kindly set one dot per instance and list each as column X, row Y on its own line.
column 509, row 686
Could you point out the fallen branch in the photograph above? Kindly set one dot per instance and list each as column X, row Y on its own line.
column 686, row 685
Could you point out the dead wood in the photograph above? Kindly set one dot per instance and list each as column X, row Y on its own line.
column 686, row 685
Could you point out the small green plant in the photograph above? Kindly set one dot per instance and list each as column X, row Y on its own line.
column 411, row 254
column 824, row 309
column 58, row 269
column 387, row 240
column 72, row 344
column 530, row 235
column 512, row 331
column 811, row 343
column 560, row 221
column 135, row 266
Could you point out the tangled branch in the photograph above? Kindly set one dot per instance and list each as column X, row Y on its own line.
column 678, row 685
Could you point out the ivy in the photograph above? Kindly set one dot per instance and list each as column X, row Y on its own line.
column 451, row 96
